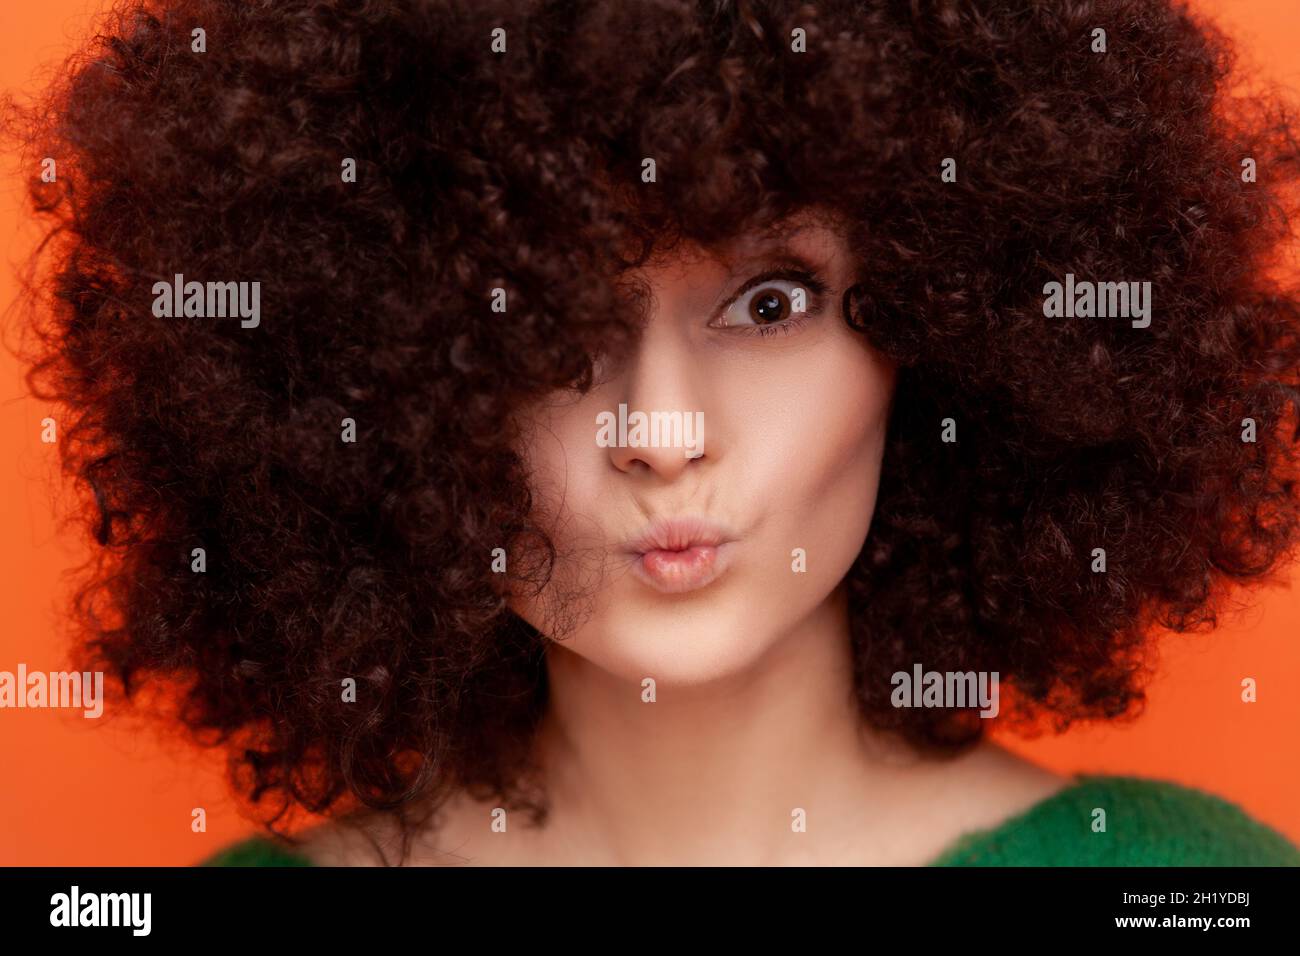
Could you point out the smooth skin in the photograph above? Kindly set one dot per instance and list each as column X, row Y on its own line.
column 753, row 716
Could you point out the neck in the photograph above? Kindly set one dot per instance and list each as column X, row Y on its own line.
column 711, row 773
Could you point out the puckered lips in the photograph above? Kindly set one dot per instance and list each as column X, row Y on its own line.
column 680, row 554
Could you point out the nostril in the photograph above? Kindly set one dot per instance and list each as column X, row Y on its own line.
column 676, row 433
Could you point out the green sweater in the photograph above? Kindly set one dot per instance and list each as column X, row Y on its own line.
column 1148, row 823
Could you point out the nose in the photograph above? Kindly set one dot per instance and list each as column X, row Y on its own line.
column 659, row 420
column 664, row 461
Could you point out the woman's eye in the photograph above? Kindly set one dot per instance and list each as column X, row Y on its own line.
column 768, row 304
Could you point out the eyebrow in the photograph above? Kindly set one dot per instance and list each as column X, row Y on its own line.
column 772, row 244
column 776, row 261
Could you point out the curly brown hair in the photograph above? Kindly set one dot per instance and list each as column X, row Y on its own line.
column 521, row 169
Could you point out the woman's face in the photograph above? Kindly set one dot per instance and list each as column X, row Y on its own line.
column 688, row 561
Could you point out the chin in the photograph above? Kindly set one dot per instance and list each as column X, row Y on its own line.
column 678, row 646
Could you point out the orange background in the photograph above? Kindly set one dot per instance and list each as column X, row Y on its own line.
column 99, row 792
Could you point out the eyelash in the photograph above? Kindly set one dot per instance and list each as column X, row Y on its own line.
column 808, row 280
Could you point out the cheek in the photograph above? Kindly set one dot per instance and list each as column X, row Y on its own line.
column 818, row 424
column 557, row 443
column 843, row 455
column 565, row 470
column 814, row 448
column 550, row 446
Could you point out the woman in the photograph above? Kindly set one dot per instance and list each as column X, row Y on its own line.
column 668, row 432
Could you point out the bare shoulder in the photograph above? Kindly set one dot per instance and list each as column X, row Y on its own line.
column 990, row 785
column 340, row 843
column 925, row 804
column 373, row 838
